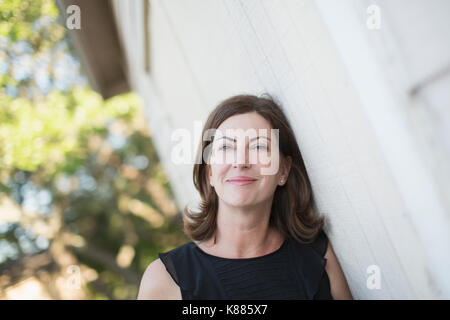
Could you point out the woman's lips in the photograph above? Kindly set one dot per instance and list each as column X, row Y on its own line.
column 241, row 182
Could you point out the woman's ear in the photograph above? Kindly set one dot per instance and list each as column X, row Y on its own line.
column 287, row 166
column 208, row 175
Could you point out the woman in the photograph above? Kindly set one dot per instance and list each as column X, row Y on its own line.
column 256, row 235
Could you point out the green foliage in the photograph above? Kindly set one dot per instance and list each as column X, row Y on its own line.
column 17, row 18
column 45, row 135
column 79, row 170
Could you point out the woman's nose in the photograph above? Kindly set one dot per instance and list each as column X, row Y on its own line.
column 241, row 158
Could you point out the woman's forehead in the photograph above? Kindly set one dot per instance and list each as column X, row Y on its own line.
column 245, row 121
column 235, row 128
column 234, row 135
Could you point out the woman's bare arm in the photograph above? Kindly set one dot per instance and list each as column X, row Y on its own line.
column 157, row 284
column 338, row 283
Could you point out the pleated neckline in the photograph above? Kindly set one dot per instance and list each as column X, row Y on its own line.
column 242, row 259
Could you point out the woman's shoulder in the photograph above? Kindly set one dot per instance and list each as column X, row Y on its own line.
column 309, row 257
column 158, row 284
column 179, row 249
column 319, row 243
column 161, row 279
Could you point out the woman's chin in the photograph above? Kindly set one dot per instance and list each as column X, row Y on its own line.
column 241, row 202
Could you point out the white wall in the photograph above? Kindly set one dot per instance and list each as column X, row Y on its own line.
column 347, row 91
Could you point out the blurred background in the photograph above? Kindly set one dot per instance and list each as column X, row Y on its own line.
column 94, row 94
column 84, row 202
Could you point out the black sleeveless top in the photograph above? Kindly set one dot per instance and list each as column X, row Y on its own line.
column 294, row 271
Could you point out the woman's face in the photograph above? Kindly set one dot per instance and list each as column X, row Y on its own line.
column 244, row 147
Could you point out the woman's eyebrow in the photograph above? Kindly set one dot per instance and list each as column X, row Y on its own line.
column 234, row 140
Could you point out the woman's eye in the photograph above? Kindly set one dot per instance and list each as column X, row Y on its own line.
column 261, row 147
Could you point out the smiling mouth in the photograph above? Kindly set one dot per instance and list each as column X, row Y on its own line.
column 241, row 182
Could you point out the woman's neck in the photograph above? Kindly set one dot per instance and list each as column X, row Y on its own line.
column 243, row 243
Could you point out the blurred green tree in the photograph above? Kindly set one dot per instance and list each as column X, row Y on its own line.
column 84, row 202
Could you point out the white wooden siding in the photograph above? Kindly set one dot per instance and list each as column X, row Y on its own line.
column 350, row 109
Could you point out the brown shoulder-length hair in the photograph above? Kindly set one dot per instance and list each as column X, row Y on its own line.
column 292, row 212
